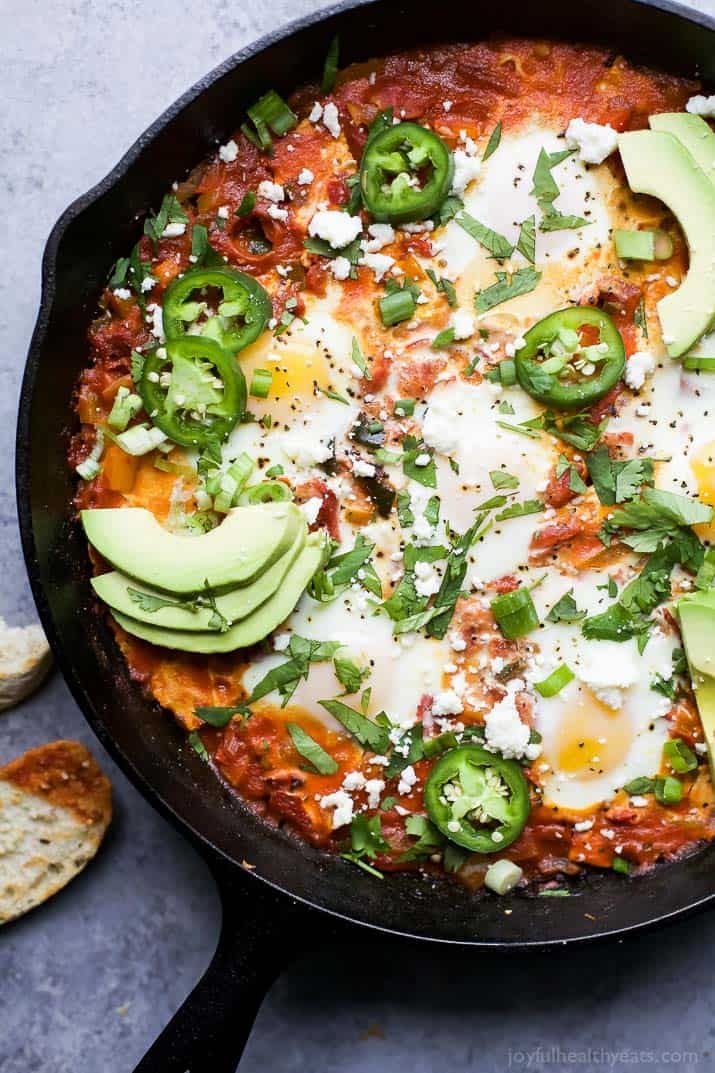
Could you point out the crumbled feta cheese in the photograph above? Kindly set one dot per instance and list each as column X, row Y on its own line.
column 331, row 119
column 380, row 263
column 583, row 825
column 439, row 429
column 316, row 113
column 281, row 641
column 306, row 453
column 223, row 212
column 593, row 141
column 228, row 152
column 380, row 235
column 504, row 731
column 156, row 321
column 427, row 580
column 311, row 508
column 342, row 804
column 638, row 802
column 122, row 292
column 408, row 778
column 639, row 366
column 700, row 105
column 305, row 177
column 361, row 468
column 447, row 105
column 354, row 780
column 173, row 230
column 608, row 667
column 457, row 643
column 271, row 191
column 447, row 703
column 276, row 213
column 334, row 227
column 701, row 747
column 462, row 324
column 466, row 169
column 340, row 268
column 423, row 460
column 373, row 789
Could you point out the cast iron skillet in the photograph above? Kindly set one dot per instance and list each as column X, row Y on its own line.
column 274, row 888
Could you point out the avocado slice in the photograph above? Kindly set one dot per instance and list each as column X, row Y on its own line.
column 694, row 133
column 234, row 605
column 251, row 629
column 657, row 163
column 697, row 627
column 247, row 542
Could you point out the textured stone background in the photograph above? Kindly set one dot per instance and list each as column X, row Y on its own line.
column 88, row 981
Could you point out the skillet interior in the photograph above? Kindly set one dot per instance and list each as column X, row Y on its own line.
column 144, row 740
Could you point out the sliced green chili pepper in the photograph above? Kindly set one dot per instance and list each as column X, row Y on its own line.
column 240, row 316
column 193, row 390
column 406, row 173
column 560, row 368
column 477, row 799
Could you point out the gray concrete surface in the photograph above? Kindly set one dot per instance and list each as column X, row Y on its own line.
column 88, row 981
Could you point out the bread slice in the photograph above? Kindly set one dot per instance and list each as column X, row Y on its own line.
column 55, row 806
column 24, row 661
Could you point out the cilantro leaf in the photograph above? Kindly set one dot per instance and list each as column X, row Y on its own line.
column 565, row 610
column 500, row 479
column 311, row 751
column 349, row 674
column 522, row 281
column 285, row 677
column 359, row 360
column 526, row 242
column 615, row 481
column 493, row 143
column 520, row 510
column 554, row 221
column 370, row 734
column 408, row 751
column 416, row 451
column 498, row 245
column 221, row 717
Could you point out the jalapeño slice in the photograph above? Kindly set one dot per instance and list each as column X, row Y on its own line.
column 405, row 174
column 239, row 317
column 572, row 358
column 193, row 390
column 477, row 799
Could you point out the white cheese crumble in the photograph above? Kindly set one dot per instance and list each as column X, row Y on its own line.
column 331, row 119
column 222, row 212
column 306, row 453
column 608, row 667
column 311, row 508
column 504, row 731
column 466, row 169
column 457, row 643
column 271, row 191
column 638, row 367
column 340, row 268
column 342, row 805
column 427, row 580
column 583, row 825
column 373, row 789
column 439, row 429
column 380, row 263
column 408, row 778
column 700, row 105
column 281, row 641
column 593, row 141
column 462, row 324
column 316, row 113
column 228, row 152
column 277, row 213
column 447, row 703
column 336, row 228
column 156, row 321
column 380, row 235
column 305, row 177
column 122, row 292
column 354, row 780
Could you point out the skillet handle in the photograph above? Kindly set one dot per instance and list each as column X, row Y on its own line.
column 261, row 933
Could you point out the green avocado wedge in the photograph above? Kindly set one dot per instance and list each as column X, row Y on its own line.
column 658, row 164
column 250, row 630
column 116, row 590
column 694, row 133
column 697, row 627
column 247, row 542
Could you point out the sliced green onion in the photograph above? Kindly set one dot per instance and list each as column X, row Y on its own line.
column 396, row 307
column 668, row 790
column 267, row 492
column 261, row 383
column 126, row 406
column 504, row 373
column 555, row 681
column 90, row 468
column 643, row 245
column 270, row 113
column 680, row 756
column 275, row 471
column 620, row 864
column 140, row 439
column 404, row 407
column 502, row 876
column 330, row 70
column 703, row 365
column 515, row 613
